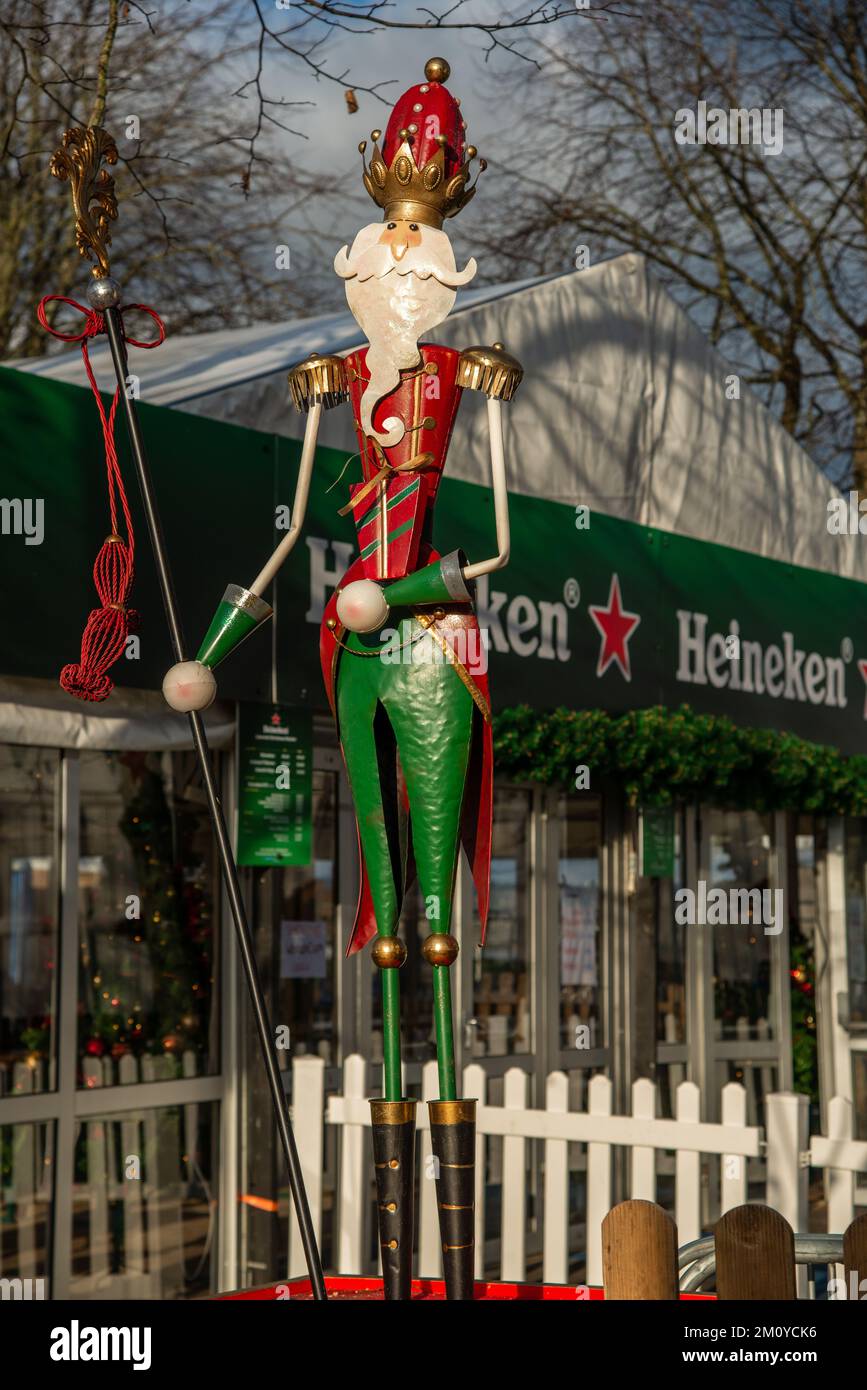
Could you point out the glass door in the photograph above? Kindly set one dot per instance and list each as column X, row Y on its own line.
column 500, row 1025
column 855, row 1006
column 110, row 1089
column 578, row 1003
column 740, row 910
column 29, row 939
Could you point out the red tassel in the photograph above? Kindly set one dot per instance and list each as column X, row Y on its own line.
column 107, row 627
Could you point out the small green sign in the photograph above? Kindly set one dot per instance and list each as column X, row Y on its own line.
column 275, row 785
column 657, row 842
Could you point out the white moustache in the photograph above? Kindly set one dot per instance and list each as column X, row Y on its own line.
column 377, row 262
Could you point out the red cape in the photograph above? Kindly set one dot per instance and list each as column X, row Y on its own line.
column 478, row 804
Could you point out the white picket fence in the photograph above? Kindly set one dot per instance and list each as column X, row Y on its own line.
column 152, row 1205
column 785, row 1147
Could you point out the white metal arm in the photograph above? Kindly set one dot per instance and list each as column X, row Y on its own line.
column 501, row 496
column 299, row 506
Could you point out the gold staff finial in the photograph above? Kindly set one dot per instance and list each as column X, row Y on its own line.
column 93, row 198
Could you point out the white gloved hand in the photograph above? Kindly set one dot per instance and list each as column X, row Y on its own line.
column 362, row 606
column 189, row 686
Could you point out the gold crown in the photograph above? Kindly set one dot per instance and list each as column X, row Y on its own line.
column 418, row 195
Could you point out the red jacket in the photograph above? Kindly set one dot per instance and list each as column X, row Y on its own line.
column 426, row 400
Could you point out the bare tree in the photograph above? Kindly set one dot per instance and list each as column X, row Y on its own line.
column 195, row 94
column 767, row 250
column 499, row 28
column 193, row 238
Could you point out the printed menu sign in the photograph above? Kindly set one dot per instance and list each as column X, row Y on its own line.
column 275, row 785
column 302, row 951
column 657, row 842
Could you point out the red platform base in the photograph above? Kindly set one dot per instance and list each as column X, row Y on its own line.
column 342, row 1287
column 353, row 1288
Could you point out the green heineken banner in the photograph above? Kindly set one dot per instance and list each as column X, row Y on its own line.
column 275, row 785
column 593, row 612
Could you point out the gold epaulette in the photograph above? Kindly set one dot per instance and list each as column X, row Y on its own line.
column 318, row 379
column 490, row 369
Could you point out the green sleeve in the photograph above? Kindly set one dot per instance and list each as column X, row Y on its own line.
column 439, row 582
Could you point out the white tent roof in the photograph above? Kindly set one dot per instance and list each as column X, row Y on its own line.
column 623, row 407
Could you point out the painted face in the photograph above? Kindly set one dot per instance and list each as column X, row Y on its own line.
column 400, row 283
column 400, row 235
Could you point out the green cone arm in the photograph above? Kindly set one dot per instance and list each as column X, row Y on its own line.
column 439, row 582
column 240, row 612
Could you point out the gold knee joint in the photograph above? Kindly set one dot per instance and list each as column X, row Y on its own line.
column 440, row 949
column 388, row 952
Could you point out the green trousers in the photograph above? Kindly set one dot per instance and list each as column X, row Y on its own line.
column 407, row 704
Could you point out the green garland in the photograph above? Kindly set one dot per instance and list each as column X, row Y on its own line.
column 664, row 755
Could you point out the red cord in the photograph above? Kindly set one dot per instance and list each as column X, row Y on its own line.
column 108, row 626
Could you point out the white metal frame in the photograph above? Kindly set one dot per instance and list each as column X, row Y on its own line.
column 67, row 1106
column 838, row 1045
column 704, row 1050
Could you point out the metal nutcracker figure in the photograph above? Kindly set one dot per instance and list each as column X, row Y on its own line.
column 400, row 646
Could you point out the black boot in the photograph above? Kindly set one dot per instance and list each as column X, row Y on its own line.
column 453, row 1140
column 394, row 1157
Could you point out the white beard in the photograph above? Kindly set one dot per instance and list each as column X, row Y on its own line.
column 395, row 303
column 394, row 313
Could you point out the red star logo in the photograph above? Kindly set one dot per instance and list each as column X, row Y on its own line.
column 862, row 667
column 616, row 627
column 275, row 719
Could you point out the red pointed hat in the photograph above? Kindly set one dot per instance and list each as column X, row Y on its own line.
column 422, row 170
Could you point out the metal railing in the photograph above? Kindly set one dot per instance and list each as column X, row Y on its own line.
column 696, row 1261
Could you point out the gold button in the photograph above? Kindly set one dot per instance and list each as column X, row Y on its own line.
column 431, row 368
column 428, row 423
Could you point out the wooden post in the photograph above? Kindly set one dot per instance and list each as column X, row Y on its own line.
column 755, row 1254
column 639, row 1252
column 855, row 1257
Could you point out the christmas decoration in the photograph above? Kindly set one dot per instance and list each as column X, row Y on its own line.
column 805, row 1061
column 401, row 651
column 78, row 160
column 174, row 933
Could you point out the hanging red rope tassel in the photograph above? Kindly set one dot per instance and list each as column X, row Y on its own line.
column 108, row 626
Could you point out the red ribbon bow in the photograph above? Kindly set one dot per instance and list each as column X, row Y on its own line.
column 108, row 626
